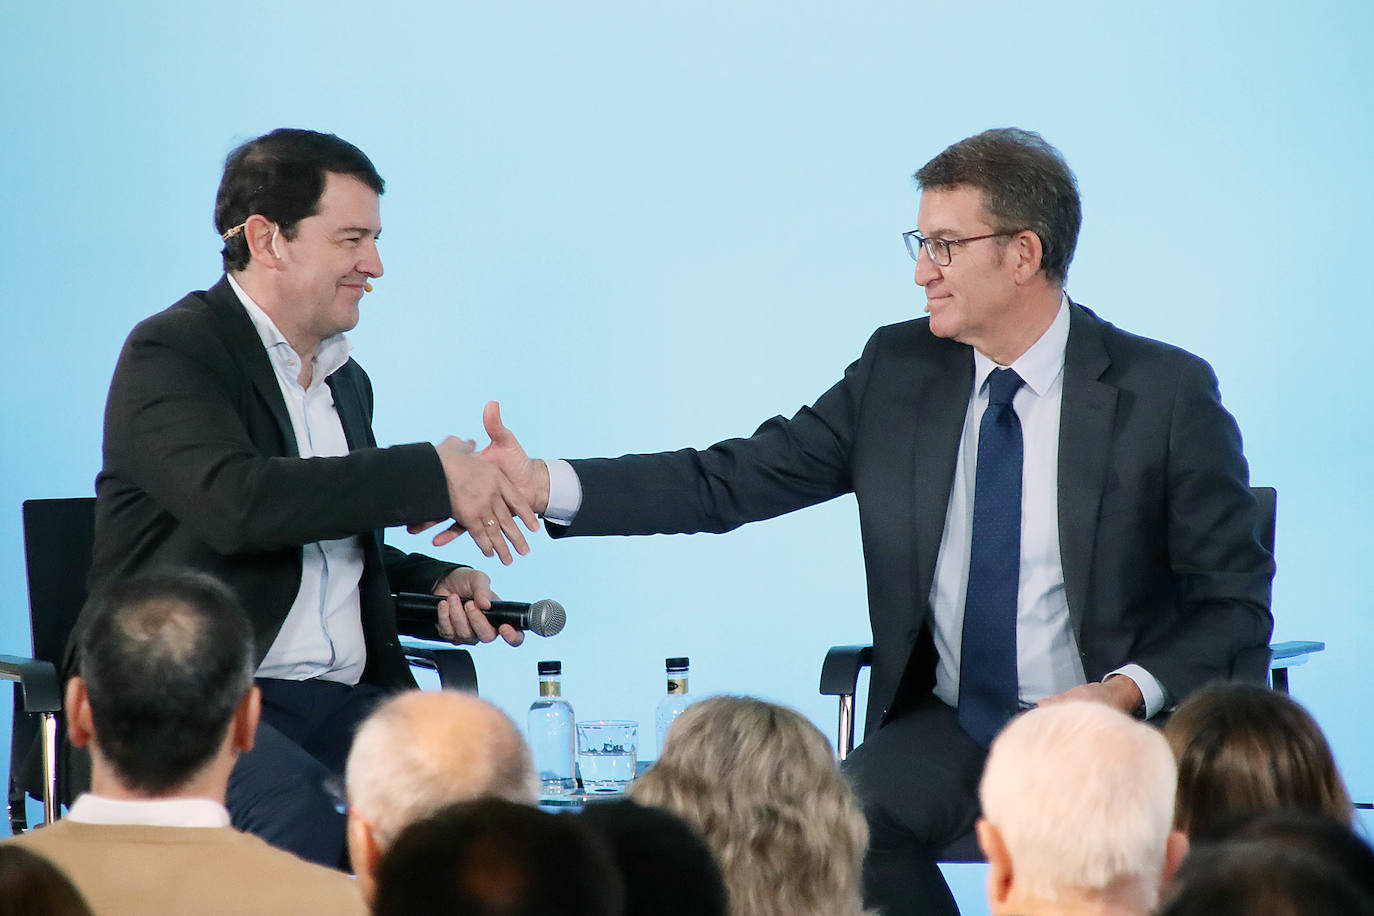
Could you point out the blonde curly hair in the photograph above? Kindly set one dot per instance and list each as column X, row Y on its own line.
column 761, row 784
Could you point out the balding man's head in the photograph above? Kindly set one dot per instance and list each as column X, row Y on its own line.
column 423, row 750
column 1078, row 804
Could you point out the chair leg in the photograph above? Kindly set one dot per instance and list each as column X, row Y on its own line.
column 846, row 725
column 48, row 732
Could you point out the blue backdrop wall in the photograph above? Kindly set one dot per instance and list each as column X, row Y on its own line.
column 644, row 226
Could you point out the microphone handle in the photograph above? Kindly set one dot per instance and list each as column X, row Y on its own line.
column 415, row 609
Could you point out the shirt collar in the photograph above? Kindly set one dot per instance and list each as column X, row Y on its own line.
column 148, row 812
column 1040, row 365
column 331, row 355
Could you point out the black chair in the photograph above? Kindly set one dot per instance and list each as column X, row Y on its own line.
column 840, row 673
column 58, row 540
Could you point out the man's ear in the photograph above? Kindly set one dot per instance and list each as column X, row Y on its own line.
column 999, row 862
column 1028, row 252
column 364, row 854
column 244, row 726
column 1174, row 851
column 76, row 707
column 264, row 239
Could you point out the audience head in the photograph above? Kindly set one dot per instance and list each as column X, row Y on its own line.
column 665, row 864
column 422, row 750
column 32, row 886
column 1025, row 184
column 1077, row 803
column 1275, row 863
column 165, row 680
column 761, row 784
column 1242, row 747
column 492, row 857
column 281, row 176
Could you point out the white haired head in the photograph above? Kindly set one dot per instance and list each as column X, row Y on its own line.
column 420, row 751
column 1081, row 797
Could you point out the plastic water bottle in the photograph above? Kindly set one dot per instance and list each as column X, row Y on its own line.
column 672, row 705
column 550, row 728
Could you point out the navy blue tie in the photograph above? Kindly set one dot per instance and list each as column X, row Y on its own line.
column 987, row 664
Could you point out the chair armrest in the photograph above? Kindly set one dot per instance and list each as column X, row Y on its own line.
column 38, row 682
column 1293, row 653
column 840, row 670
column 454, row 666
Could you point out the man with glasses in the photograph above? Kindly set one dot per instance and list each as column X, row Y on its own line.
column 1051, row 508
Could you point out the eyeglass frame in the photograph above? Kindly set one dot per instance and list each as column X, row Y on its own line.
column 923, row 242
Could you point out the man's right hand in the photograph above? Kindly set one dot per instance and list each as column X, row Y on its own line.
column 485, row 503
column 529, row 475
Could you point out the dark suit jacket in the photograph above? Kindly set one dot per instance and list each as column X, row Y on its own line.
column 201, row 469
column 1162, row 562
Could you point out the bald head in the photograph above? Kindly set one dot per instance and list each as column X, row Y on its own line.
column 422, row 750
column 1081, row 799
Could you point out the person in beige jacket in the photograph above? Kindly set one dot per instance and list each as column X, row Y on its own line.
column 165, row 701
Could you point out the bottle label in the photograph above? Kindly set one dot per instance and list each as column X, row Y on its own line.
column 677, row 685
column 549, row 689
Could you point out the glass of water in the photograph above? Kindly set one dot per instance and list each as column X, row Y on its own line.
column 606, row 754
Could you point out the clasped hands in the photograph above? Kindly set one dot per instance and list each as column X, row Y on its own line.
column 490, row 489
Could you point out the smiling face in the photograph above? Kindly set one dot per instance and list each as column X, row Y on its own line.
column 322, row 270
column 972, row 299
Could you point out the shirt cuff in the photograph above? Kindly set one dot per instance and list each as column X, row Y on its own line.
column 1150, row 689
column 565, row 492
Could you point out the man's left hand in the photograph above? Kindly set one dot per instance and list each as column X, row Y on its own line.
column 467, row 593
column 1117, row 690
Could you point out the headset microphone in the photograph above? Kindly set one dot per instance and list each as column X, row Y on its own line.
column 367, row 287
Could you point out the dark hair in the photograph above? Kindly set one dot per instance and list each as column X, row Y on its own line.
column 166, row 658
column 496, row 858
column 1242, row 747
column 667, row 867
column 1327, row 838
column 1025, row 183
column 281, row 176
column 30, row 885
column 1257, row 878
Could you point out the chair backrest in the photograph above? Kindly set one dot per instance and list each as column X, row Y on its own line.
column 59, row 535
column 1252, row 665
column 1268, row 499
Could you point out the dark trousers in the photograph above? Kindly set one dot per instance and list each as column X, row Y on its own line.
column 917, row 780
column 286, row 790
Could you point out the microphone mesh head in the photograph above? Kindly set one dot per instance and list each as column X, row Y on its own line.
column 547, row 617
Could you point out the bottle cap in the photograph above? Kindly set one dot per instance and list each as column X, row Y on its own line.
column 677, row 664
column 550, row 667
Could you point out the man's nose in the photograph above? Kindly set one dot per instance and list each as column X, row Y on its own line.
column 371, row 261
column 926, row 270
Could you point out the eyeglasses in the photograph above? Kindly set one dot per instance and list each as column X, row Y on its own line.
column 938, row 249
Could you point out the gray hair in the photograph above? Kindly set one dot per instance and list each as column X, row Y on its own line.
column 1083, row 797
column 422, row 750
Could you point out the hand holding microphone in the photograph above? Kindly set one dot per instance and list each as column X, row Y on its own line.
column 416, row 615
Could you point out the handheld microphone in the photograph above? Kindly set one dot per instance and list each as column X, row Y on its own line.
column 544, row 617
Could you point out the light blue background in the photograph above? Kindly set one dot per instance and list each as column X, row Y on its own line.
column 643, row 226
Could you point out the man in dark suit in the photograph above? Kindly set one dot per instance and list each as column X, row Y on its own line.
column 1051, row 508
column 238, row 441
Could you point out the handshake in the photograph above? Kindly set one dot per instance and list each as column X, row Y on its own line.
column 490, row 489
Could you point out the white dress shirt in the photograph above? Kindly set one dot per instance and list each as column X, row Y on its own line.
column 148, row 812
column 322, row 636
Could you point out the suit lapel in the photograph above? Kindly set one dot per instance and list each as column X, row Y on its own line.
column 349, row 405
column 941, row 389
column 1086, row 417
column 243, row 341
